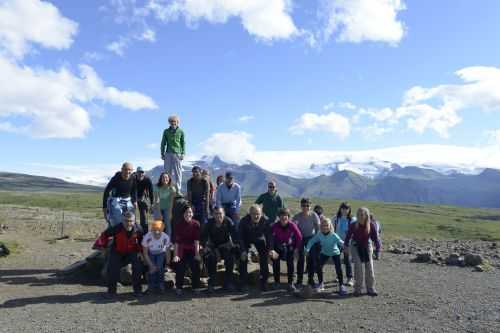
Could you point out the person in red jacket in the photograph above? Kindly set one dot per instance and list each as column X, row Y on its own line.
column 125, row 249
column 285, row 240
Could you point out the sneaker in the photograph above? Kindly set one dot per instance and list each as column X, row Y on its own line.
column 291, row 288
column 350, row 282
column 342, row 290
column 320, row 288
column 372, row 292
column 178, row 292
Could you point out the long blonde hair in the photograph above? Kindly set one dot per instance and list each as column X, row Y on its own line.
column 365, row 222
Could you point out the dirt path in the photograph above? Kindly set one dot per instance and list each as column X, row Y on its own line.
column 413, row 298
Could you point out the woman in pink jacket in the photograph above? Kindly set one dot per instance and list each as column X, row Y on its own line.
column 285, row 240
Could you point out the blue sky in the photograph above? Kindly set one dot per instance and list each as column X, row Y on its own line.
column 275, row 75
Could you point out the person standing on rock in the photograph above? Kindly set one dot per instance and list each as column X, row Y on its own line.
column 271, row 202
column 218, row 240
column 120, row 195
column 255, row 230
column 187, row 251
column 173, row 149
column 198, row 194
column 144, row 194
column 285, row 240
column 228, row 196
column 125, row 249
column 359, row 244
column 308, row 222
column 331, row 244
column 341, row 224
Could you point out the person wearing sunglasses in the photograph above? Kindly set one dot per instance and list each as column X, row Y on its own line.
column 271, row 202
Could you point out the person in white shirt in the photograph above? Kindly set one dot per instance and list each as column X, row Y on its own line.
column 155, row 248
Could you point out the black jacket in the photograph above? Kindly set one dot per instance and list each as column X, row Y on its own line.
column 250, row 232
column 119, row 187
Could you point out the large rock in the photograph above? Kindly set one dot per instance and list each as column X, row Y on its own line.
column 455, row 259
column 4, row 251
column 424, row 257
column 473, row 259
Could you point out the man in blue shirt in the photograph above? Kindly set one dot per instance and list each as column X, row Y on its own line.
column 228, row 197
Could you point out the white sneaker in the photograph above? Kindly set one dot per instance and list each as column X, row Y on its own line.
column 320, row 288
column 350, row 282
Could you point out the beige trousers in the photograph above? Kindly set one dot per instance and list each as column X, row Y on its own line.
column 369, row 273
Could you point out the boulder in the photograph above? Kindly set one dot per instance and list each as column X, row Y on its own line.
column 473, row 259
column 4, row 250
column 454, row 259
column 424, row 257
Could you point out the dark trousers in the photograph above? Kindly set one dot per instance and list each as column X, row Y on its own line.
column 310, row 262
column 338, row 267
column 348, row 266
column 143, row 215
column 200, row 210
column 116, row 261
column 187, row 260
column 286, row 254
column 211, row 261
column 263, row 265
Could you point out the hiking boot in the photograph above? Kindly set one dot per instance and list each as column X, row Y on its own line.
column 342, row 290
column 350, row 282
column 320, row 287
column 291, row 288
column 372, row 292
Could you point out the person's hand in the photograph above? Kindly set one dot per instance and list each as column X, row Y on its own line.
column 181, row 157
column 244, row 256
column 197, row 257
column 273, row 255
column 176, row 259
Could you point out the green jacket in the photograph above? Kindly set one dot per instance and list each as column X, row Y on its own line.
column 174, row 141
column 270, row 205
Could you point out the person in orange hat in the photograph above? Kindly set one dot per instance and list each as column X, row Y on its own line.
column 155, row 245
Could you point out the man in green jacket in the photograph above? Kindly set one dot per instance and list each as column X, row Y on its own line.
column 271, row 202
column 173, row 149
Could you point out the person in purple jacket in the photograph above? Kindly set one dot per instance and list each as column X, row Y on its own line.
column 285, row 240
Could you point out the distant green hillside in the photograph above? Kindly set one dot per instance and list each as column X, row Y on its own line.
column 398, row 220
column 22, row 182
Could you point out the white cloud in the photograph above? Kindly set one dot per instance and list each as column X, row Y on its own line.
column 330, row 123
column 340, row 105
column 265, row 19
column 92, row 56
column 152, row 146
column 232, row 147
column 246, row 118
column 493, row 137
column 363, row 20
column 23, row 22
column 50, row 104
column 118, row 46
column 149, row 35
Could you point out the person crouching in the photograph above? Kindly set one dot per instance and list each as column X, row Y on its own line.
column 285, row 240
column 125, row 249
column 155, row 244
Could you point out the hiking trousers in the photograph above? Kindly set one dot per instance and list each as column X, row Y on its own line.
column 338, row 267
column 173, row 165
column 363, row 271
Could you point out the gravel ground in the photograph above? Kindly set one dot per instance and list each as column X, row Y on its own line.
column 413, row 298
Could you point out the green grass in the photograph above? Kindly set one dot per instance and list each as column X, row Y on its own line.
column 398, row 220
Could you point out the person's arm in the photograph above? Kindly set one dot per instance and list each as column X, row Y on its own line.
column 207, row 196
column 163, row 144
column 260, row 199
column 205, row 234
column 338, row 240
column 150, row 191
column 176, row 253
column 197, row 250
column 218, row 197
column 298, row 236
column 238, row 199
column 183, row 144
column 133, row 192
column 316, row 222
column 374, row 237
column 312, row 241
column 111, row 231
column 281, row 203
column 105, row 196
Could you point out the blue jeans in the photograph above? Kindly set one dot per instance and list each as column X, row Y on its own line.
column 166, row 222
column 116, row 208
column 156, row 280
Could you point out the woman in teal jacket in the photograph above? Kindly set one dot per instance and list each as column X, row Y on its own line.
column 330, row 248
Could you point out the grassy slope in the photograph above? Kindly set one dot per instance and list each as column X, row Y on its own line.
column 398, row 220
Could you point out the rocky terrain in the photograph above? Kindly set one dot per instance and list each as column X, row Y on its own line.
column 414, row 297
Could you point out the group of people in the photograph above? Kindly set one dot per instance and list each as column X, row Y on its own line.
column 203, row 227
